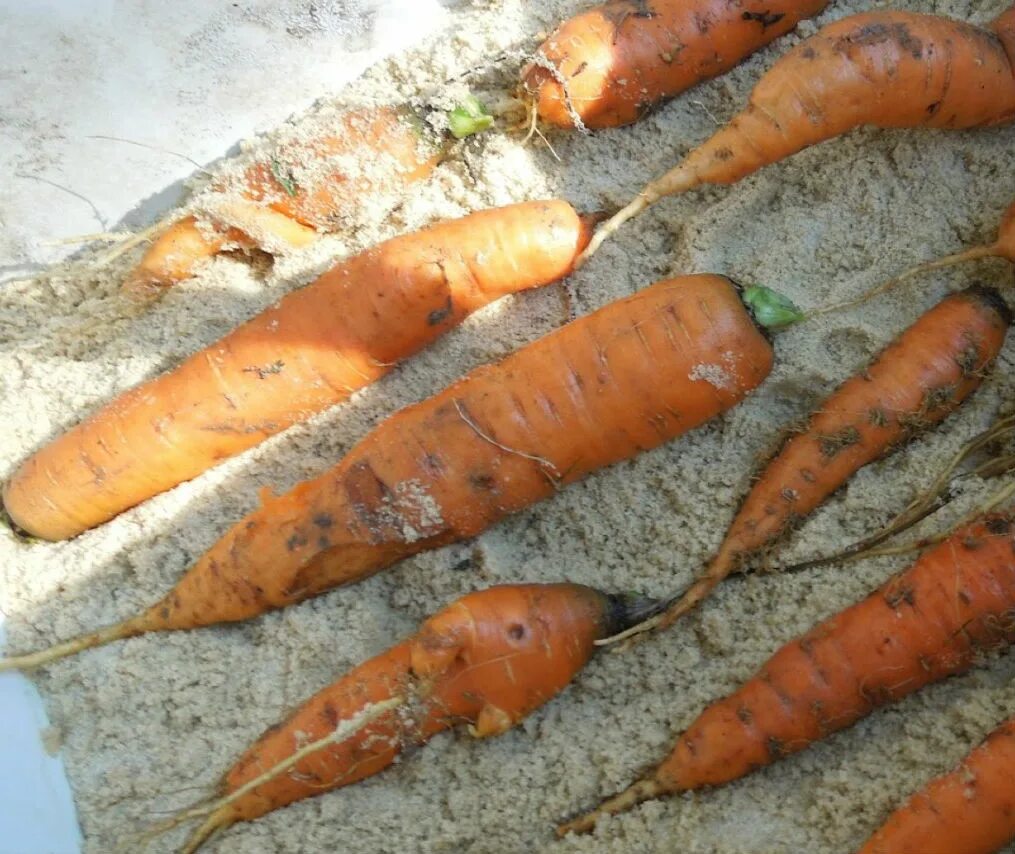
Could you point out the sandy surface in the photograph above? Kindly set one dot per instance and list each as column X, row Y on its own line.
column 148, row 725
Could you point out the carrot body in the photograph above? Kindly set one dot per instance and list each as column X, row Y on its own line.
column 883, row 68
column 489, row 659
column 914, row 383
column 929, row 622
column 968, row 811
column 309, row 351
column 374, row 152
column 609, row 65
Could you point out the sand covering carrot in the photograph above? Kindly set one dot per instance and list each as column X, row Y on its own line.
column 609, row 65
column 931, row 621
column 310, row 351
column 622, row 380
column 487, row 660
column 886, row 69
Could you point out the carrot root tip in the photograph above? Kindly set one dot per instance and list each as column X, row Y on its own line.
column 643, row 790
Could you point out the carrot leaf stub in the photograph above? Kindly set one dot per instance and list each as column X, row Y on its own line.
column 470, row 117
column 770, row 308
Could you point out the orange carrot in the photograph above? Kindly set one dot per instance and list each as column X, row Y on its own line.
column 304, row 187
column 929, row 622
column 968, row 811
column 622, row 380
column 913, row 384
column 309, row 351
column 488, row 660
column 611, row 64
column 886, row 69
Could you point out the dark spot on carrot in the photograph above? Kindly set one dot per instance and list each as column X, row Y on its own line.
column 723, row 154
column 971, row 543
column 835, row 443
column 789, row 494
column 998, row 525
column 296, row 541
column 898, row 595
column 968, row 359
column 482, row 481
column 776, row 749
column 964, row 597
column 324, row 520
column 744, row 714
column 164, row 612
column 937, row 397
column 766, row 19
column 807, row 475
column 330, row 714
column 876, row 416
column 274, row 368
column 933, row 108
column 580, row 69
column 323, row 542
column 808, row 52
column 516, row 631
column 439, row 315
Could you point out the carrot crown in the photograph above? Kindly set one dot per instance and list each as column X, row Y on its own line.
column 770, row 309
column 469, row 117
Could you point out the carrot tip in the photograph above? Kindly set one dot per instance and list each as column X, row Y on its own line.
column 118, row 631
column 633, row 795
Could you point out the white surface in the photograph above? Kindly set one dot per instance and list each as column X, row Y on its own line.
column 190, row 77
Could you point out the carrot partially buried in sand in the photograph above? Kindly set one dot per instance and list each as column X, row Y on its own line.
column 917, row 381
column 487, row 660
column 637, row 373
column 883, row 68
column 309, row 351
column 305, row 186
column 610, row 64
column 931, row 621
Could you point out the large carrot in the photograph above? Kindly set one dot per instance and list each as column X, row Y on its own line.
column 305, row 186
column 487, row 660
column 968, row 811
column 929, row 622
column 914, row 383
column 887, row 69
column 624, row 379
column 609, row 65
column 309, row 351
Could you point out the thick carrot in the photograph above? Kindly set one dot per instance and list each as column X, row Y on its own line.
column 609, row 65
column 886, row 69
column 309, row 351
column 301, row 188
column 487, row 660
column 622, row 380
column 929, row 622
column 913, row 384
column 968, row 811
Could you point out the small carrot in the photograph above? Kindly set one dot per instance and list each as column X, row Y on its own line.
column 883, row 68
column 609, row 65
column 309, row 351
column 931, row 621
column 637, row 373
column 1003, row 247
column 913, row 384
column 304, row 187
column 968, row 811
column 488, row 660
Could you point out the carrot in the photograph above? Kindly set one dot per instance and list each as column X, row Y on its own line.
column 309, row 351
column 622, row 380
column 1003, row 247
column 284, row 200
column 969, row 811
column 886, row 69
column 914, row 383
column 931, row 621
column 488, row 660
column 608, row 66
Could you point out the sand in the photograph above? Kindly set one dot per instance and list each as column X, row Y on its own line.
column 148, row 725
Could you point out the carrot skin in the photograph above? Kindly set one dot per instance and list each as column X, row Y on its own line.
column 970, row 810
column 625, row 379
column 488, row 659
column 916, row 382
column 614, row 62
column 309, row 351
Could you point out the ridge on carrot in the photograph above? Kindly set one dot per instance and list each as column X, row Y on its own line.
column 637, row 373
column 488, row 660
column 610, row 64
column 888, row 69
column 970, row 810
column 931, row 621
column 916, row 382
column 307, row 186
column 307, row 352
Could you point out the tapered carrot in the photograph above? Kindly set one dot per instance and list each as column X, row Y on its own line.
column 1003, row 247
column 968, row 811
column 886, row 69
column 622, row 380
column 609, row 65
column 309, row 351
column 929, row 622
column 303, row 187
column 913, row 384
column 487, row 660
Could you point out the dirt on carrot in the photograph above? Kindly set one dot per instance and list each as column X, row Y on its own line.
column 147, row 721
